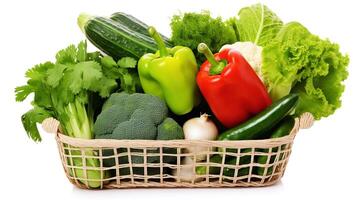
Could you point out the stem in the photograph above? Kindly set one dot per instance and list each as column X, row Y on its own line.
column 216, row 66
column 71, row 111
column 79, row 123
column 158, row 39
column 82, row 20
column 204, row 117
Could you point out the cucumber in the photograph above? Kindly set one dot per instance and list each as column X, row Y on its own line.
column 282, row 129
column 135, row 24
column 242, row 171
column 257, row 127
column 201, row 170
column 115, row 39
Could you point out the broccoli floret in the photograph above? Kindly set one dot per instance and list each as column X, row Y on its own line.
column 107, row 121
column 139, row 127
column 169, row 129
column 115, row 99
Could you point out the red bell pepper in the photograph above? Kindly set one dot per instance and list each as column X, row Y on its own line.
column 231, row 87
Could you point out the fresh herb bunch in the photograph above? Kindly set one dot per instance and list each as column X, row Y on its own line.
column 66, row 89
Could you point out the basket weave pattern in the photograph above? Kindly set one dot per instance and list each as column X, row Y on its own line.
column 152, row 163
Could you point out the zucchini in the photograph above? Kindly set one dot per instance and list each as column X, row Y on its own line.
column 115, row 39
column 135, row 24
column 257, row 127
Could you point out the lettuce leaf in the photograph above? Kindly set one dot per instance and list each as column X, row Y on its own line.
column 190, row 29
column 256, row 23
column 300, row 62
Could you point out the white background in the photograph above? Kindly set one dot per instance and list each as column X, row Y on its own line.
column 323, row 162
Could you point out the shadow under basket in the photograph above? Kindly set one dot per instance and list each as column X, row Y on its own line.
column 106, row 163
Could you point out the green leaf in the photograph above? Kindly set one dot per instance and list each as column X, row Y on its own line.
column 38, row 72
column 55, row 74
column 82, row 51
column 257, row 24
column 127, row 62
column 83, row 76
column 30, row 120
column 42, row 96
column 94, row 56
column 22, row 92
column 67, row 55
column 37, row 85
column 110, row 67
column 105, row 86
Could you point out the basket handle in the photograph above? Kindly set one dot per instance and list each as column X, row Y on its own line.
column 306, row 120
column 51, row 125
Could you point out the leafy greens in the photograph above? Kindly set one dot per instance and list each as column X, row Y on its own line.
column 190, row 29
column 294, row 60
column 64, row 89
column 67, row 90
column 300, row 62
column 256, row 23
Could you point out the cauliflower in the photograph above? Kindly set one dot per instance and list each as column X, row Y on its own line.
column 251, row 52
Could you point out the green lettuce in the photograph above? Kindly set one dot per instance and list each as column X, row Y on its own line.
column 190, row 29
column 256, row 23
column 300, row 62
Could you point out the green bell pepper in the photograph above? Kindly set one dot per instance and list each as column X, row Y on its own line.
column 170, row 74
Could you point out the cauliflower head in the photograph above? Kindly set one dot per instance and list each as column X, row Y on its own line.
column 251, row 52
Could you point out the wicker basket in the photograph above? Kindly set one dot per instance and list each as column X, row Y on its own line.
column 152, row 163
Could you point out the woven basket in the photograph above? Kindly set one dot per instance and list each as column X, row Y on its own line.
column 152, row 163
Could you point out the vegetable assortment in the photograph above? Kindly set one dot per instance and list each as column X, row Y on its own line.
column 260, row 74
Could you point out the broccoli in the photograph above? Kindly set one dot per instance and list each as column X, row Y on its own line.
column 169, row 130
column 136, row 116
column 130, row 116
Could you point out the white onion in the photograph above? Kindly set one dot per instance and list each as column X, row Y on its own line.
column 187, row 174
column 200, row 128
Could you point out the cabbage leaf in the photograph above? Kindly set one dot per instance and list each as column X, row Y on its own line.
column 257, row 23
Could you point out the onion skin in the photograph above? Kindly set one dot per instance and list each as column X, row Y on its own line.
column 200, row 128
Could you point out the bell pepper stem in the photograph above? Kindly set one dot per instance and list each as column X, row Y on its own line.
column 216, row 66
column 160, row 43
